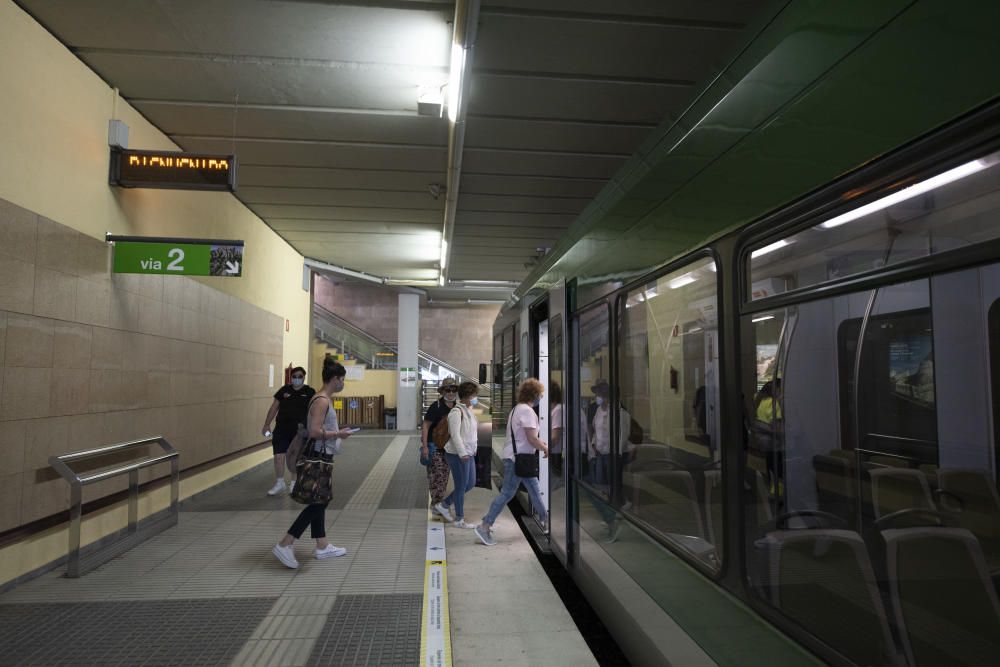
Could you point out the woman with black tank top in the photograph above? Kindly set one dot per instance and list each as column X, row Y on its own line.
column 323, row 427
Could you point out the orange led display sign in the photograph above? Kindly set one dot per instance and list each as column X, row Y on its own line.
column 175, row 170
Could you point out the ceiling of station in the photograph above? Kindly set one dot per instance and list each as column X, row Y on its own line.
column 319, row 101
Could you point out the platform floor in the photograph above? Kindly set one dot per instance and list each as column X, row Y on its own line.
column 209, row 591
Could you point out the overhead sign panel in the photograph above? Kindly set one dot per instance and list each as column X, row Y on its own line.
column 179, row 257
column 173, row 170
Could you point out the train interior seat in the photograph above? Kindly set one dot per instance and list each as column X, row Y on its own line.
column 944, row 606
column 835, row 486
column 667, row 500
column 897, row 489
column 972, row 497
column 823, row 578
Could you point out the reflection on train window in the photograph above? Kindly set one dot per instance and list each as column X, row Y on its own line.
column 593, row 466
column 895, row 372
column 950, row 210
column 668, row 417
column 873, row 513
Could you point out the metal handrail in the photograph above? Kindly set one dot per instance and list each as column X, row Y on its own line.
column 77, row 482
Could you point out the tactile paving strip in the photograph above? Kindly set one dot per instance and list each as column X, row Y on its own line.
column 147, row 632
column 371, row 630
column 249, row 491
column 408, row 487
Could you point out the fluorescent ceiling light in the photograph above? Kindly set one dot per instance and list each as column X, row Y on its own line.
column 441, row 279
column 769, row 248
column 498, row 283
column 910, row 192
column 485, row 301
column 681, row 281
column 455, row 80
column 762, row 318
column 444, row 255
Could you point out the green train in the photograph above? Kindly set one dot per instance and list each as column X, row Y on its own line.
column 771, row 348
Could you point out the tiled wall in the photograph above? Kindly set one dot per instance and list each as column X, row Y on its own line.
column 92, row 358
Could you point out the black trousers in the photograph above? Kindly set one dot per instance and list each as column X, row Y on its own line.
column 313, row 516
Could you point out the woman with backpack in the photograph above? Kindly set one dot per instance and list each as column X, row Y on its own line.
column 433, row 437
column 460, row 451
column 323, row 428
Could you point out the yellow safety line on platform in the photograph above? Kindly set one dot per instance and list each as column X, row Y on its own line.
column 435, row 626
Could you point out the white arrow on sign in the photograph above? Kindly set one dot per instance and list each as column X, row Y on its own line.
column 232, row 268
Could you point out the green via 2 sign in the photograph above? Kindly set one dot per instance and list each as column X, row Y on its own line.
column 177, row 257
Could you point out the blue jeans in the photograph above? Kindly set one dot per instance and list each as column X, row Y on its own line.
column 511, row 482
column 464, row 475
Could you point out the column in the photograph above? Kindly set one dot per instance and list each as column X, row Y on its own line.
column 408, row 337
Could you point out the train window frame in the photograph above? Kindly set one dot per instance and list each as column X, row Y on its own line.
column 576, row 472
column 973, row 137
column 709, row 253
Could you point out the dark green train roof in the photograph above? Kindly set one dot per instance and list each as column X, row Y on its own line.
column 820, row 89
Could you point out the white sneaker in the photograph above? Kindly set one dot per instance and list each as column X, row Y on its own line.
column 278, row 487
column 286, row 555
column 443, row 511
column 461, row 524
column 330, row 552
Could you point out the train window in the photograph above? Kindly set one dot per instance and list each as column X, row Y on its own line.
column 668, row 416
column 870, row 478
column 952, row 209
column 593, row 389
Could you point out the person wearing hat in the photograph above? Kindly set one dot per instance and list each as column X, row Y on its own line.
column 438, row 471
column 290, row 405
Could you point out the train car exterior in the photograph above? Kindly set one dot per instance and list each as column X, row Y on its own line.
column 771, row 349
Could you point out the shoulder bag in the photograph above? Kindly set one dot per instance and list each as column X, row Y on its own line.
column 313, row 472
column 525, row 465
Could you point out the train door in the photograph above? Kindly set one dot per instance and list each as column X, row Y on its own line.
column 557, row 433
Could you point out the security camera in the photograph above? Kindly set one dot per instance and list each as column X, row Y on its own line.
column 436, row 189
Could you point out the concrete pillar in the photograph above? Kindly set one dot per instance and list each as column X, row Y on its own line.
column 408, row 337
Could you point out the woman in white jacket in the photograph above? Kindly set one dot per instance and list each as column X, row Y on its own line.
column 461, row 450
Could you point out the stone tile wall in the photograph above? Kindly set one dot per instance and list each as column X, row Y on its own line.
column 92, row 358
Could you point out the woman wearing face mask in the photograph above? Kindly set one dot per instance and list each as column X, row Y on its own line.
column 438, row 471
column 522, row 438
column 291, row 403
column 461, row 451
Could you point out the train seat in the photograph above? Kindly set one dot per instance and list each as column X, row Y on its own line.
column 944, row 606
column 823, row 578
column 897, row 489
column 977, row 508
column 666, row 499
column 835, row 484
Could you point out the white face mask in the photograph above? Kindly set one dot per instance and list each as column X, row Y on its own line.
column 599, row 400
column 474, row 401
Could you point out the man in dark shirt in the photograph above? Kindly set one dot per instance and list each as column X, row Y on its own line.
column 291, row 405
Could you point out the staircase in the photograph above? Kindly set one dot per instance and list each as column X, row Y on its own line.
column 339, row 334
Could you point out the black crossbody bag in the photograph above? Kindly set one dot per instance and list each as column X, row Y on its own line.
column 525, row 465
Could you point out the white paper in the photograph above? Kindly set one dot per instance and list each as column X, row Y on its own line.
column 355, row 372
column 270, row 375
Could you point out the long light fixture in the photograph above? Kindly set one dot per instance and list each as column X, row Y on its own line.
column 681, row 281
column 910, row 192
column 484, row 283
column 769, row 248
column 323, row 266
column 762, row 318
column 455, row 75
column 444, row 255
